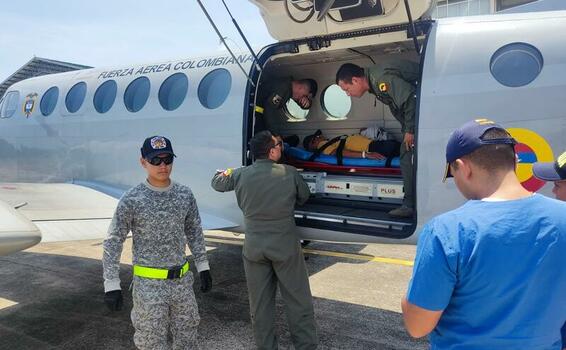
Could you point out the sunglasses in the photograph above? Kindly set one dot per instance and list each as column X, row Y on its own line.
column 155, row 161
column 278, row 144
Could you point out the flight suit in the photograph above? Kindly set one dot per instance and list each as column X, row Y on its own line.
column 271, row 98
column 162, row 221
column 389, row 86
column 267, row 193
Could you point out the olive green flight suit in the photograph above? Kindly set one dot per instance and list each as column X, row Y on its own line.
column 389, row 86
column 272, row 96
column 267, row 193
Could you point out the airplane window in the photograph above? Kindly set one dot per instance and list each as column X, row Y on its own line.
column 10, row 105
column 136, row 94
column 294, row 112
column 105, row 96
column 49, row 101
column 214, row 88
column 516, row 64
column 75, row 97
column 335, row 102
column 173, row 91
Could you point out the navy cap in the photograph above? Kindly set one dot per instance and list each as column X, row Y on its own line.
column 554, row 171
column 469, row 137
column 156, row 145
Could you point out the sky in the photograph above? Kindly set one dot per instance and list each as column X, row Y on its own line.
column 105, row 33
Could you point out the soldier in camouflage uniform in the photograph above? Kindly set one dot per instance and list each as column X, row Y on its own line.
column 163, row 218
column 267, row 193
column 394, row 84
column 273, row 95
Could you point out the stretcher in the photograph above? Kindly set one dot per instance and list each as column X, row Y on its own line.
column 299, row 158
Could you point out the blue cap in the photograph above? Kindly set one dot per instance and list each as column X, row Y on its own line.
column 469, row 137
column 554, row 171
column 156, row 145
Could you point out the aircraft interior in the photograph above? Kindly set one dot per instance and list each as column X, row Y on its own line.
column 357, row 194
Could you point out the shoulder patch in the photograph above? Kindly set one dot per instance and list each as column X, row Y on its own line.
column 383, row 87
column 276, row 100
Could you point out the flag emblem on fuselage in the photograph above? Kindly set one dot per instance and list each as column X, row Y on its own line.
column 29, row 104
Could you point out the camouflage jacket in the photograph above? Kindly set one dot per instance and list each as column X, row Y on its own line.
column 162, row 221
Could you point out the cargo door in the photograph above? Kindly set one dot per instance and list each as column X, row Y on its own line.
column 298, row 19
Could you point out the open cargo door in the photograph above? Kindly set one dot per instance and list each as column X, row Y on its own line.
column 298, row 19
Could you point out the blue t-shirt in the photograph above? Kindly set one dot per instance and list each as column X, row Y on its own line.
column 497, row 269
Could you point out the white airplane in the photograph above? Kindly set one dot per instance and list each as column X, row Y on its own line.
column 69, row 143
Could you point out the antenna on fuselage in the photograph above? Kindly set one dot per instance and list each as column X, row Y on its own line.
column 224, row 42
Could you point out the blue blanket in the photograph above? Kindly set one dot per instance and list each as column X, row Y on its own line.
column 302, row 154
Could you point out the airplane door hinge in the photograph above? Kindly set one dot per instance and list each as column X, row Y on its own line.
column 315, row 44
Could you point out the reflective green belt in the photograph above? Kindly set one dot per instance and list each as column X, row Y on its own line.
column 161, row 274
column 259, row 109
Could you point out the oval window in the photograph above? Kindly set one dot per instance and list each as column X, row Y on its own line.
column 214, row 88
column 294, row 112
column 173, row 91
column 10, row 104
column 105, row 96
column 75, row 97
column 49, row 101
column 516, row 64
column 136, row 94
column 335, row 102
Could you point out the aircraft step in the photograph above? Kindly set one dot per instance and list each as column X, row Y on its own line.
column 357, row 218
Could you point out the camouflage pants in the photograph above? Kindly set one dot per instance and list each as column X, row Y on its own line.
column 164, row 308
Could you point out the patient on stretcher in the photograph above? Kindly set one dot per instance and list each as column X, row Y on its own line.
column 353, row 146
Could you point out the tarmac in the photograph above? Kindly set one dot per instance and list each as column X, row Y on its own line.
column 51, row 297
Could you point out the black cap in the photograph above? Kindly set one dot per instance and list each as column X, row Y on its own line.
column 307, row 140
column 156, row 145
column 554, row 171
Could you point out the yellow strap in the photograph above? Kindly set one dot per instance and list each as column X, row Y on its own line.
column 150, row 272
column 259, row 109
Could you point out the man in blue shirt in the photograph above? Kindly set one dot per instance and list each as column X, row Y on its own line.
column 486, row 275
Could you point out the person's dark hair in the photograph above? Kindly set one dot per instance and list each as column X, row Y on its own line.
column 494, row 158
column 311, row 84
column 307, row 140
column 347, row 71
column 261, row 144
column 292, row 140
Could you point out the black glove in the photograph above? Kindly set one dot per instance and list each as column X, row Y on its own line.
column 114, row 300
column 205, row 281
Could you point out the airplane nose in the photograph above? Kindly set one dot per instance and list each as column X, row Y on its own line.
column 16, row 231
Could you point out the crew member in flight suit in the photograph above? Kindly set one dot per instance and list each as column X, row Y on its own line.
column 267, row 193
column 394, row 84
column 163, row 218
column 273, row 95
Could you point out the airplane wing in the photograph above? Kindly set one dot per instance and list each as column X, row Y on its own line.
column 61, row 211
column 64, row 212
column 16, row 231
